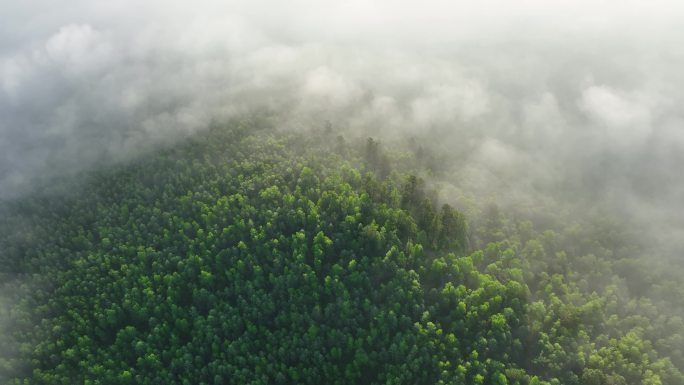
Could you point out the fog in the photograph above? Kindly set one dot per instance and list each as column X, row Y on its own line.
column 574, row 103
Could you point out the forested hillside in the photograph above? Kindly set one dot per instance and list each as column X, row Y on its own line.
column 250, row 256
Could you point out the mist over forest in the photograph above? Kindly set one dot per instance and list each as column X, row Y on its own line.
column 536, row 145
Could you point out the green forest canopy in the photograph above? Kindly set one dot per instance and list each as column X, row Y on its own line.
column 248, row 256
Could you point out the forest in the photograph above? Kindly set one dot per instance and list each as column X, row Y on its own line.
column 252, row 255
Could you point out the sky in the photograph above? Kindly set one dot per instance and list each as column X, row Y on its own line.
column 578, row 101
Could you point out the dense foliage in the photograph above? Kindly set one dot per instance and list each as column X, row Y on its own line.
column 246, row 256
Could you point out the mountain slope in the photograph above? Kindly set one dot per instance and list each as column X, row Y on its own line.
column 247, row 256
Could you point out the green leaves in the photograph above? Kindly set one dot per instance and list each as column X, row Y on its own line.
column 250, row 257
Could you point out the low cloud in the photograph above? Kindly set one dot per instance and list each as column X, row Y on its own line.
column 579, row 100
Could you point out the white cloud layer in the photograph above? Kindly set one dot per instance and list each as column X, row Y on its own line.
column 582, row 96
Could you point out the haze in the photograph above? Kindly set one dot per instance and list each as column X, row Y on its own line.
column 534, row 101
